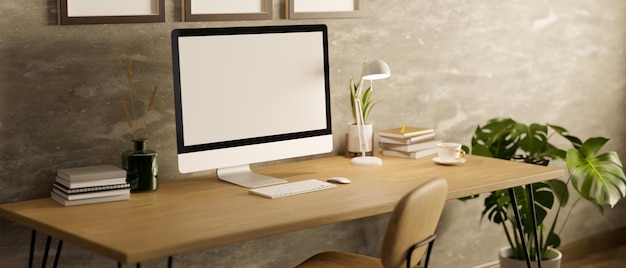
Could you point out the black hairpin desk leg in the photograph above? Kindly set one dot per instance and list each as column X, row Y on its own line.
column 45, row 253
column 57, row 256
column 520, row 229
column 531, row 197
column 33, row 237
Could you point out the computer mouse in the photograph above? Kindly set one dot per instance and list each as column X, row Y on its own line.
column 341, row 180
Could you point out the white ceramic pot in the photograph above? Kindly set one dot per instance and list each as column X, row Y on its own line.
column 353, row 138
column 506, row 262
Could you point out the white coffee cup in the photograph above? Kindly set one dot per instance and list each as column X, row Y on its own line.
column 450, row 152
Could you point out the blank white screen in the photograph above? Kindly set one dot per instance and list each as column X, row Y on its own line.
column 251, row 85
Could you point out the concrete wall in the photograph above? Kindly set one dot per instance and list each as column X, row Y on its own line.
column 455, row 64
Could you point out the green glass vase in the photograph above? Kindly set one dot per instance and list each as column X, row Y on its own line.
column 141, row 167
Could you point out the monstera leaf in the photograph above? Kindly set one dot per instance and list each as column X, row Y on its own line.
column 534, row 139
column 497, row 138
column 598, row 178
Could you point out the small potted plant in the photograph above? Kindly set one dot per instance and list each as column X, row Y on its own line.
column 368, row 104
column 597, row 177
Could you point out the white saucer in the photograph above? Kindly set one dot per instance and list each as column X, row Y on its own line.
column 453, row 162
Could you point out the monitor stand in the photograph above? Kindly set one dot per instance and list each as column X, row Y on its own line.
column 243, row 176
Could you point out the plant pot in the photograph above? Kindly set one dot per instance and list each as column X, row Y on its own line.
column 353, row 143
column 554, row 260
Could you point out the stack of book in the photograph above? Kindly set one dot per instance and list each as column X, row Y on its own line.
column 88, row 185
column 408, row 142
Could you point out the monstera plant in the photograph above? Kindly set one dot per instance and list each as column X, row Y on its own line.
column 598, row 177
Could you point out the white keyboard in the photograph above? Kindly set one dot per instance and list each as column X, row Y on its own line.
column 292, row 188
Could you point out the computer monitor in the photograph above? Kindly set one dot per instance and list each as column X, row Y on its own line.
column 247, row 95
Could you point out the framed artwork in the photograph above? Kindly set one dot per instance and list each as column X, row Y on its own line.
column 315, row 9
column 110, row 11
column 211, row 10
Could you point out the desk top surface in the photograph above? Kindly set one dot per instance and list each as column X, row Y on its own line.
column 191, row 214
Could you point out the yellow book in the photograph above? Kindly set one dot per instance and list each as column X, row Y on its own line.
column 405, row 132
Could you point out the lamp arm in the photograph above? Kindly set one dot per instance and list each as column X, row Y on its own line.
column 359, row 117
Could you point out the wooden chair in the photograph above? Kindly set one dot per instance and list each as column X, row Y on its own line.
column 411, row 227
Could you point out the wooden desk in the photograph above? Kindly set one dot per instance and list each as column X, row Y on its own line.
column 198, row 213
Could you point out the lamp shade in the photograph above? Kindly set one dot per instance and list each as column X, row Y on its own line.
column 376, row 69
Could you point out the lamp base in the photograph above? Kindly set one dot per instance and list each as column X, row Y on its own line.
column 367, row 161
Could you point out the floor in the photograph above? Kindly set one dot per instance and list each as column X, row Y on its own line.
column 612, row 258
column 607, row 250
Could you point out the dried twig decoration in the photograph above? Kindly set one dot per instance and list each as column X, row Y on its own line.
column 129, row 113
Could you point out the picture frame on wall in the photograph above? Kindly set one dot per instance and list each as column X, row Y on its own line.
column 215, row 10
column 110, row 11
column 317, row 9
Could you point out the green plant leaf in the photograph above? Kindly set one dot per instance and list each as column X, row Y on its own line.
column 353, row 88
column 552, row 152
column 597, row 178
column 576, row 142
column 544, row 200
column 559, row 188
column 534, row 138
column 553, row 240
column 495, row 206
column 365, row 100
column 591, row 146
column 498, row 136
column 481, row 150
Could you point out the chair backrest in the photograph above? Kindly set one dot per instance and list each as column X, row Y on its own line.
column 414, row 219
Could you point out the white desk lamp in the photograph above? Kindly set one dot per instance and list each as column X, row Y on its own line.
column 373, row 70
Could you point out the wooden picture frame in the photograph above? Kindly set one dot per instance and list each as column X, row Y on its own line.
column 215, row 10
column 110, row 11
column 317, row 9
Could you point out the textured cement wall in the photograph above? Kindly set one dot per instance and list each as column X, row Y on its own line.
column 455, row 64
